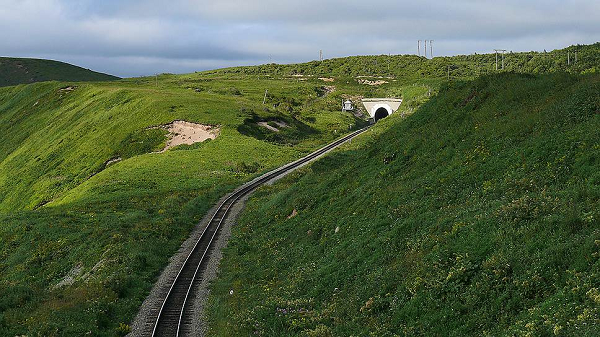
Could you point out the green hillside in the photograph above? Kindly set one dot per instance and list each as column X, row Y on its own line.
column 91, row 210
column 479, row 215
column 15, row 71
column 82, row 239
column 579, row 59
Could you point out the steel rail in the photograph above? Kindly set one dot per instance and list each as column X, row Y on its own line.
column 214, row 226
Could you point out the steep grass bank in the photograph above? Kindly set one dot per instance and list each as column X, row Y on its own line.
column 477, row 215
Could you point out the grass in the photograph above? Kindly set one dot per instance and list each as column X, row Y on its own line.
column 65, row 213
column 15, row 71
column 406, row 68
column 82, row 241
column 477, row 215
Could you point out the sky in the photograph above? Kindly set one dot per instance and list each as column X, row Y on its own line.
column 131, row 38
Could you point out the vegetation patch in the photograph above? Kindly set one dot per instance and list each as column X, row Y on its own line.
column 277, row 129
column 142, row 141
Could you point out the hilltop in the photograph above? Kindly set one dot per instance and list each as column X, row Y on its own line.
column 578, row 59
column 15, row 71
column 478, row 215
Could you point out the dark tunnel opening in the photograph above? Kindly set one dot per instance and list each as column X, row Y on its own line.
column 381, row 113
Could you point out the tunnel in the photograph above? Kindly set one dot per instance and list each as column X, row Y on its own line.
column 381, row 113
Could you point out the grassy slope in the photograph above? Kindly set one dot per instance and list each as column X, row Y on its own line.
column 15, row 71
column 113, row 228
column 477, row 215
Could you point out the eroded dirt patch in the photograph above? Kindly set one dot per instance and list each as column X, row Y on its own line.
column 373, row 83
column 274, row 126
column 70, row 278
column 329, row 89
column 182, row 132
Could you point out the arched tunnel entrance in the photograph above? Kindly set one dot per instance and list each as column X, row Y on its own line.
column 381, row 113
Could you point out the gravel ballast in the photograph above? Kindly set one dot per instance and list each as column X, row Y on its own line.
column 143, row 323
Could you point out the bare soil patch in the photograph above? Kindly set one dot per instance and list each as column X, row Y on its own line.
column 70, row 278
column 367, row 82
column 182, row 132
column 280, row 124
column 266, row 125
column 329, row 89
column 112, row 161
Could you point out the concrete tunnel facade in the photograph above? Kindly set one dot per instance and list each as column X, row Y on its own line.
column 379, row 108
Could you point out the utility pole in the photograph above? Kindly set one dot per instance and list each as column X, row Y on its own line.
column 431, row 48
column 496, row 59
column 419, row 47
column 503, row 51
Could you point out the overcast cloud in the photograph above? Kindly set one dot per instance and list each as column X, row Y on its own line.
column 135, row 37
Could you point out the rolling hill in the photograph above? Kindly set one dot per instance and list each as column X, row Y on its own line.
column 14, row 71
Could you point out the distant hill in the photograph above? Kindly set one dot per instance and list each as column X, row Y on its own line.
column 576, row 59
column 14, row 71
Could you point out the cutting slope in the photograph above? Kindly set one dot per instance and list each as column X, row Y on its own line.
column 15, row 71
column 477, row 215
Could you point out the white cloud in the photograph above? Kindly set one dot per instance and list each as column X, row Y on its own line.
column 185, row 35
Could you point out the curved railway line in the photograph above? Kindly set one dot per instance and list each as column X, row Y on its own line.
column 175, row 317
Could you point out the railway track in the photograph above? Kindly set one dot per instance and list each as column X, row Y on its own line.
column 175, row 317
